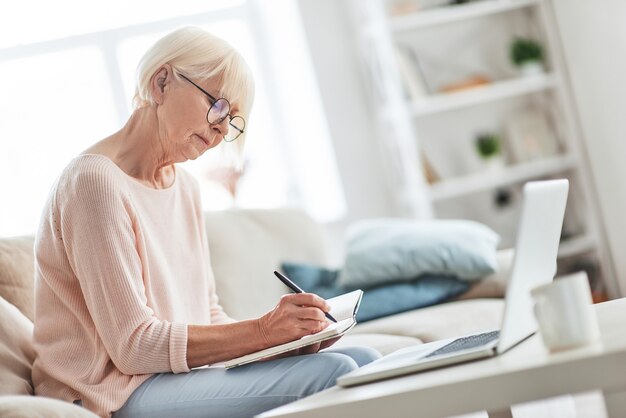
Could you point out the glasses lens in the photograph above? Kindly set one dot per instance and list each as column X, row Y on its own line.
column 218, row 111
column 235, row 128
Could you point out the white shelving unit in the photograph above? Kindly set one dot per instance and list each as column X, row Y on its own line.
column 453, row 188
column 467, row 37
column 459, row 13
column 480, row 95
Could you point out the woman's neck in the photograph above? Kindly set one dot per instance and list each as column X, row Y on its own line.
column 140, row 151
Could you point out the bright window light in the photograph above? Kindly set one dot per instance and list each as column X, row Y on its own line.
column 306, row 137
column 53, row 106
column 71, row 67
column 28, row 21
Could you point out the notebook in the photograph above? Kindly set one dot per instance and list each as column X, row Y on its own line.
column 538, row 235
column 343, row 308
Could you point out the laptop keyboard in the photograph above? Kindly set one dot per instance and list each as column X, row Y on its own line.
column 466, row 343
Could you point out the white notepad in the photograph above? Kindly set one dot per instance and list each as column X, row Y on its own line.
column 343, row 308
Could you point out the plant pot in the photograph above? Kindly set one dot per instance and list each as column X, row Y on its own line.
column 531, row 68
column 494, row 164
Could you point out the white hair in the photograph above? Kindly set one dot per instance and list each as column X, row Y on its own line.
column 200, row 56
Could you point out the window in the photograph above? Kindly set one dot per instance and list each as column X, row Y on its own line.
column 69, row 82
column 50, row 112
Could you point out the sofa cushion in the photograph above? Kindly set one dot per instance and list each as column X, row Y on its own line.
column 383, row 343
column 39, row 407
column 381, row 301
column 248, row 245
column 382, row 250
column 16, row 351
column 441, row 321
column 17, row 273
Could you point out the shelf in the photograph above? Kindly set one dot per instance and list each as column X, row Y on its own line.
column 474, row 183
column 576, row 246
column 484, row 94
column 449, row 14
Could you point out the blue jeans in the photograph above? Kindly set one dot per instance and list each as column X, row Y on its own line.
column 244, row 391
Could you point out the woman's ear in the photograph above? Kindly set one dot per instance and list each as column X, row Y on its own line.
column 160, row 82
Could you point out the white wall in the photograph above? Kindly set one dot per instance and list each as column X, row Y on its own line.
column 594, row 38
column 344, row 99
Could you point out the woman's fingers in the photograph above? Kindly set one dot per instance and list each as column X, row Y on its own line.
column 306, row 306
column 308, row 299
column 312, row 326
column 295, row 316
column 305, row 313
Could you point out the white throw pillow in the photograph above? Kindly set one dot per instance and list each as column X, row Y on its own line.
column 16, row 351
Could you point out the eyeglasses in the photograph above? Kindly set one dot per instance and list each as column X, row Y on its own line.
column 220, row 110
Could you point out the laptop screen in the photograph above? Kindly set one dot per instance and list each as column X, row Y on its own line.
column 537, row 245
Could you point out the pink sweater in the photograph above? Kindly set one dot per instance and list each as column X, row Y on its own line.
column 121, row 270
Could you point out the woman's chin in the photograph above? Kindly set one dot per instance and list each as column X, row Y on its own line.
column 189, row 154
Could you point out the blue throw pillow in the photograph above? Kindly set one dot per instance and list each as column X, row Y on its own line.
column 401, row 249
column 381, row 301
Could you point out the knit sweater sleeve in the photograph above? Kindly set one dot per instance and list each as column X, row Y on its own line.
column 99, row 231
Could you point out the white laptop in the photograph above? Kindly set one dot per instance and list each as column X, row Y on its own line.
column 538, row 236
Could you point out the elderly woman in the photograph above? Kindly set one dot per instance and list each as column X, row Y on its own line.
column 126, row 303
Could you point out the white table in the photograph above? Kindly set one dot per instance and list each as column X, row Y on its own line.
column 525, row 373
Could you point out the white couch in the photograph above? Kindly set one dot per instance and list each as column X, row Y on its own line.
column 246, row 246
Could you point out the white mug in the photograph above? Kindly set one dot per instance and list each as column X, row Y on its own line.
column 565, row 313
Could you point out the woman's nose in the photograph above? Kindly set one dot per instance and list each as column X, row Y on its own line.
column 221, row 127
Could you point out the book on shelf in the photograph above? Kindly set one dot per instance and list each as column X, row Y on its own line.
column 411, row 73
column 430, row 174
column 343, row 308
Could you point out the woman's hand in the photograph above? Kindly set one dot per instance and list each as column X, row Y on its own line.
column 295, row 316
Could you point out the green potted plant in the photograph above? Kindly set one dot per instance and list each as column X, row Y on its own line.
column 489, row 148
column 527, row 55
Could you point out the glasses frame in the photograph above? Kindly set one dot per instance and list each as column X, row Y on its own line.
column 213, row 101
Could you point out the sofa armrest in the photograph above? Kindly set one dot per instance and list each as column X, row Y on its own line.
column 17, row 274
column 505, row 263
column 36, row 407
column 494, row 285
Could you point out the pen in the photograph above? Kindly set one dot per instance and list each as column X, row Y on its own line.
column 297, row 289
